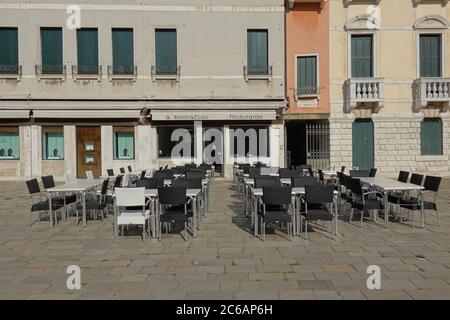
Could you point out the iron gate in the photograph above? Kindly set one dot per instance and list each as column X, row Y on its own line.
column 318, row 145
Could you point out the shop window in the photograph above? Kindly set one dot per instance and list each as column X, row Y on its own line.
column 52, row 143
column 9, row 143
column 123, row 143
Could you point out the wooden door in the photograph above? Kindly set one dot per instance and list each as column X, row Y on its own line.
column 363, row 144
column 89, row 152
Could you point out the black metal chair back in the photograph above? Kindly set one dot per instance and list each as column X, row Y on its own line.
column 110, row 172
column 254, row 171
column 432, row 183
column 33, row 186
column 150, row 183
column 194, row 175
column 416, row 179
column 172, row 195
column 301, row 182
column 287, row 173
column 48, row 182
column 143, row 172
column 373, row 172
column 104, row 188
column 319, row 194
column 118, row 181
column 277, row 195
column 130, row 169
column 122, row 170
column 403, row 176
column 267, row 181
column 355, row 187
column 164, row 174
column 342, row 168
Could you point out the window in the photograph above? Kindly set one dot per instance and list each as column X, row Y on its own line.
column 9, row 143
column 362, row 56
column 9, row 56
column 257, row 52
column 307, row 83
column 123, row 143
column 123, row 51
column 183, row 136
column 430, row 55
column 431, row 136
column 166, row 51
column 249, row 141
column 87, row 49
column 52, row 143
column 52, row 50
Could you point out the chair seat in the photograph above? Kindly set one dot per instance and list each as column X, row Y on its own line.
column 414, row 204
column 92, row 205
column 71, row 198
column 44, row 205
column 369, row 204
column 395, row 198
column 132, row 217
column 322, row 214
column 281, row 215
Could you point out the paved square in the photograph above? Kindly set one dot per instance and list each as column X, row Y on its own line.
column 224, row 262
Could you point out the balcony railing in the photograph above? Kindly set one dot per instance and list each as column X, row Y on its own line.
column 258, row 73
column 169, row 74
column 431, row 91
column 307, row 92
column 86, row 72
column 124, row 72
column 362, row 92
column 10, row 71
column 50, row 71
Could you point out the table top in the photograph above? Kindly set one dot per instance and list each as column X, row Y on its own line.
column 152, row 193
column 76, row 185
column 390, row 184
column 252, row 181
column 295, row 191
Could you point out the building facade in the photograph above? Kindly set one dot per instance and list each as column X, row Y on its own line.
column 389, row 70
column 307, row 83
column 105, row 84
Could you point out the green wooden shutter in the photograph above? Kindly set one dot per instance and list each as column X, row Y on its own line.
column 166, row 51
column 52, row 50
column 87, row 48
column 430, row 56
column 431, row 136
column 362, row 56
column 306, row 75
column 9, row 51
column 257, row 51
column 123, row 51
column 363, row 144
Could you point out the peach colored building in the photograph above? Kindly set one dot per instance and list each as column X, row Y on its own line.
column 307, row 82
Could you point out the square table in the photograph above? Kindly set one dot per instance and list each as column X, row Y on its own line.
column 79, row 186
column 387, row 185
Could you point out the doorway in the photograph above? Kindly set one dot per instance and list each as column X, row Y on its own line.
column 363, row 144
column 89, row 153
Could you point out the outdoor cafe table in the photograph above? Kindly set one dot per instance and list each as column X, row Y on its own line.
column 152, row 194
column 78, row 186
column 249, row 183
column 388, row 185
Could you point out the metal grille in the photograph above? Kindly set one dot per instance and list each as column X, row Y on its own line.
column 318, row 145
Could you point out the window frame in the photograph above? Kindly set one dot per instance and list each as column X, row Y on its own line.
column 123, row 129
column 306, row 55
column 48, row 129
column 155, row 52
column 12, row 129
column 266, row 30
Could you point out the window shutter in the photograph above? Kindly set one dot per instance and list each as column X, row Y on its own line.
column 362, row 56
column 307, row 75
column 166, row 51
column 52, row 50
column 430, row 56
column 257, row 51
column 87, row 47
column 123, row 51
column 9, row 56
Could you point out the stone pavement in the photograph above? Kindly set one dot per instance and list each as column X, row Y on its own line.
column 224, row 262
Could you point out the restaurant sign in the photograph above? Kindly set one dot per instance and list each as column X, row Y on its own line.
column 182, row 115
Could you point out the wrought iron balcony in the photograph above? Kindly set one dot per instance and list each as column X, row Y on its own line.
column 122, row 72
column 50, row 71
column 431, row 92
column 173, row 74
column 10, row 71
column 87, row 72
column 258, row 73
column 306, row 92
column 364, row 92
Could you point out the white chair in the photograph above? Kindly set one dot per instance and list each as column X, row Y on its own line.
column 89, row 175
column 131, row 197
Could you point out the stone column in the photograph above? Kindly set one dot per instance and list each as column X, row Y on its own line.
column 70, row 150
column 107, row 148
